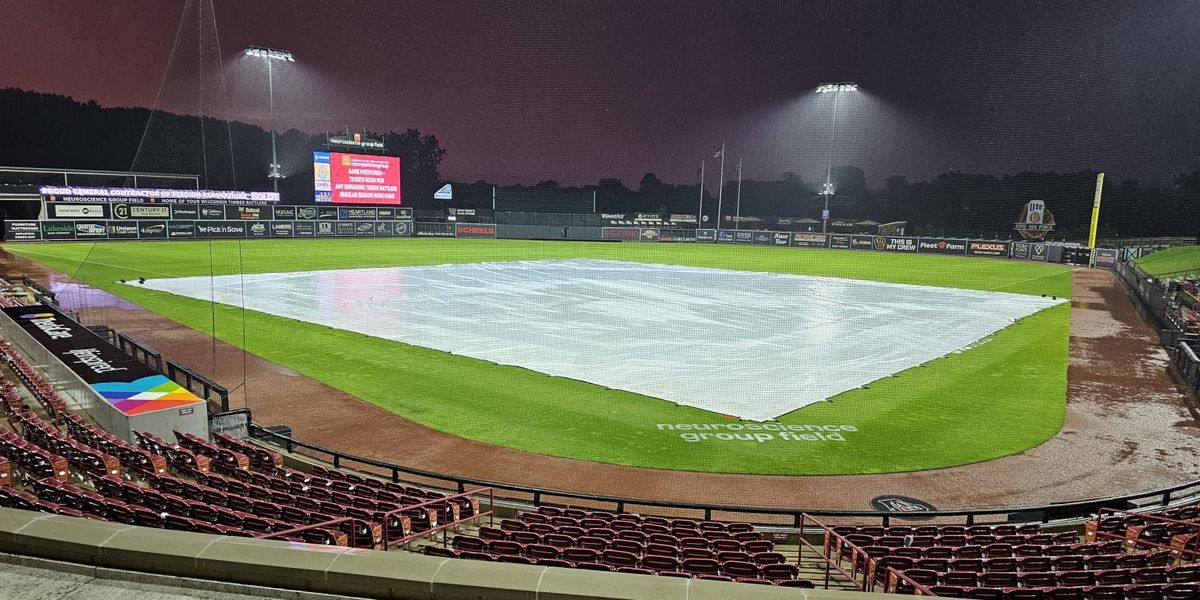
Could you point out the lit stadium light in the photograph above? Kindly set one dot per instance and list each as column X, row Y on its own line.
column 270, row 53
column 827, row 190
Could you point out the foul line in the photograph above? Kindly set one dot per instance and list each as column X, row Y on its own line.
column 1025, row 281
column 96, row 262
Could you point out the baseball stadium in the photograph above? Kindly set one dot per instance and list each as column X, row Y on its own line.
column 858, row 338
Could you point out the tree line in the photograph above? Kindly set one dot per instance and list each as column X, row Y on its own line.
column 48, row 130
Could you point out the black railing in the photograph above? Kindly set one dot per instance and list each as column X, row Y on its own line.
column 196, row 383
column 537, row 496
column 143, row 353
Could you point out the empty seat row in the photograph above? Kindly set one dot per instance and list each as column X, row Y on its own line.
column 1178, row 591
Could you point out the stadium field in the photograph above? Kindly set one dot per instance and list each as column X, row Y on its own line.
column 996, row 398
column 1172, row 262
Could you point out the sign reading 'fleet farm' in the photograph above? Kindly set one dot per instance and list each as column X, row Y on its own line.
column 130, row 386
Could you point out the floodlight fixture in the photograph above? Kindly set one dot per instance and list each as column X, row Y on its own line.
column 270, row 53
column 826, row 88
column 836, row 89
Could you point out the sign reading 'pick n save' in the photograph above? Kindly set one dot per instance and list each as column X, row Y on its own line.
column 130, row 386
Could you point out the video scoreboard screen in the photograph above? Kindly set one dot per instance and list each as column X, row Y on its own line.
column 342, row 178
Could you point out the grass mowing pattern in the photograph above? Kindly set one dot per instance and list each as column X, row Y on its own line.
column 1180, row 260
column 1001, row 396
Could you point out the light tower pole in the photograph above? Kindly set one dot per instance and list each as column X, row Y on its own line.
column 270, row 55
column 836, row 89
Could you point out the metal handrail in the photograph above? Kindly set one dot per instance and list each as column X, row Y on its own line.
column 921, row 589
column 1038, row 513
column 387, row 517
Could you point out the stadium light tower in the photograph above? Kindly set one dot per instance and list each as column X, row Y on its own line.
column 836, row 89
column 271, row 55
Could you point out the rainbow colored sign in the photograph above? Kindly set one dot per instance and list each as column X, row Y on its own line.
column 144, row 395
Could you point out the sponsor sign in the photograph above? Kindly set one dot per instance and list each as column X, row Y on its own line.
column 899, row 244
column 941, row 246
column 185, row 211
column 404, row 213
column 1038, row 252
column 354, row 140
column 864, row 242
column 724, row 236
column 385, row 228
column 683, row 218
column 141, row 211
column 647, row 217
column 1020, row 250
column 306, row 213
column 104, row 194
column 152, row 230
column 118, row 230
column 619, row 233
column 781, row 239
column 245, row 213
column 128, row 385
column 677, row 235
column 446, row 192
column 612, row 216
column 982, row 248
column 348, row 213
column 475, row 230
column 77, row 211
column 181, row 230
column 743, row 237
column 1105, row 258
column 324, row 228
column 1034, row 221
column 24, row 230
column 762, row 237
column 62, row 231
column 894, row 503
column 216, row 213
column 281, row 228
column 385, row 213
column 810, row 240
column 91, row 230
column 327, row 212
column 344, row 228
column 435, row 229
column 258, row 229
column 221, row 229
column 649, row 234
column 364, row 229
column 404, row 228
column 283, row 213
column 304, row 229
column 839, row 241
column 706, row 235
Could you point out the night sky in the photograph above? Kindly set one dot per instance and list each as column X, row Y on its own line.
column 575, row 91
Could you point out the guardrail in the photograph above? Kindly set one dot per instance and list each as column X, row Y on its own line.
column 1132, row 539
column 1189, row 365
column 444, row 508
column 536, row 496
column 210, row 390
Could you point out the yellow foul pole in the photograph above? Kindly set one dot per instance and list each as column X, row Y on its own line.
column 1095, row 219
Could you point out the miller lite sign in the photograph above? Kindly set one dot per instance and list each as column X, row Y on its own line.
column 1035, row 221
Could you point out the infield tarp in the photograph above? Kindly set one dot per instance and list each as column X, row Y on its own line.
column 688, row 335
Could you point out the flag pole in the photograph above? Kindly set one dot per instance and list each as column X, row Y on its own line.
column 738, row 219
column 700, row 207
column 721, row 185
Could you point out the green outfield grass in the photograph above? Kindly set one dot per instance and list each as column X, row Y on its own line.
column 1172, row 261
column 1003, row 395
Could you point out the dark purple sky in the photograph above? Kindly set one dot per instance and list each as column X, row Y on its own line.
column 573, row 91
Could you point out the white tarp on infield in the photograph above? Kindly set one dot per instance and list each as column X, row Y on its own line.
column 753, row 345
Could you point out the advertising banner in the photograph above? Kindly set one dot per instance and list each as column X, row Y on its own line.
column 1038, row 252
column 435, row 229
column 91, row 230
column 365, row 228
column 677, row 235
column 304, row 229
column 743, row 237
column 56, row 210
column 212, row 213
column 283, row 213
column 725, row 236
column 839, row 241
column 104, row 194
column 403, row 213
column 181, row 230
column 649, row 234
column 61, row 231
column 306, row 213
column 258, row 229
column 327, row 213
column 941, row 246
column 781, row 239
column 128, row 385
column 810, row 240
column 121, row 230
column 706, row 235
column 281, row 228
column 347, row 213
column 185, row 211
column 897, row 244
column 24, row 230
column 475, row 230
column 983, row 248
column 245, row 213
column 141, row 211
column 220, row 229
column 343, row 228
column 385, row 213
column 619, row 233
column 356, row 178
column 762, row 237
column 1105, row 258
column 862, row 242
column 385, row 228
column 152, row 230
column 404, row 228
column 1020, row 250
column 324, row 228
